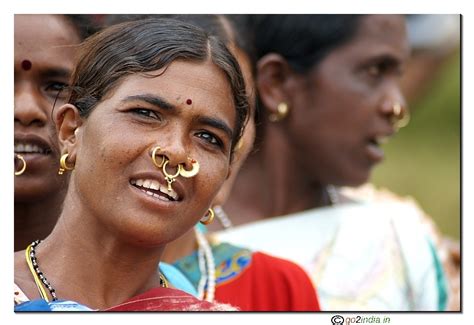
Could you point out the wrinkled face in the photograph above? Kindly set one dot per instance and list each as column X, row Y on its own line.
column 188, row 111
column 44, row 56
column 342, row 107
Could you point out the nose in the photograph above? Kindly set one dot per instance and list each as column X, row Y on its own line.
column 30, row 107
column 394, row 108
column 174, row 150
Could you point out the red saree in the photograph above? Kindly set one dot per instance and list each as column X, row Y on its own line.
column 166, row 299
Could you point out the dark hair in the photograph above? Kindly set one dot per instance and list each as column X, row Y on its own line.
column 303, row 40
column 85, row 25
column 145, row 46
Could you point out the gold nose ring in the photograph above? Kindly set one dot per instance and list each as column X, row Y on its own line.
column 402, row 116
column 153, row 157
column 23, row 168
column 189, row 173
column 168, row 177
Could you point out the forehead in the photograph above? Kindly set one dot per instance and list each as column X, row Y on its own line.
column 379, row 35
column 204, row 83
column 44, row 37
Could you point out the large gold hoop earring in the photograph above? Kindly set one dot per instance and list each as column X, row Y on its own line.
column 169, row 178
column 23, row 168
column 63, row 165
column 189, row 173
column 207, row 219
column 153, row 157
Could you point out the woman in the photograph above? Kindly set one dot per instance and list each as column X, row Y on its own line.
column 45, row 47
column 251, row 281
column 330, row 96
column 155, row 111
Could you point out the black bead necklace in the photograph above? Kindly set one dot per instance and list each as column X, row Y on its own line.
column 40, row 275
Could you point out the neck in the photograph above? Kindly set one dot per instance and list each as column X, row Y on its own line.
column 36, row 219
column 271, row 183
column 86, row 263
column 179, row 248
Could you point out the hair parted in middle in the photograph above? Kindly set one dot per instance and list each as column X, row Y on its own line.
column 149, row 45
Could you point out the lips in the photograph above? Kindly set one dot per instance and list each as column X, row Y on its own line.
column 374, row 151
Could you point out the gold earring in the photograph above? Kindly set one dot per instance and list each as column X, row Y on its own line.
column 153, row 157
column 189, row 173
column 207, row 219
column 63, row 166
column 170, row 178
column 23, row 168
column 282, row 112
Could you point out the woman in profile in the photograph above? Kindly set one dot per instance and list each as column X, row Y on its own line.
column 328, row 87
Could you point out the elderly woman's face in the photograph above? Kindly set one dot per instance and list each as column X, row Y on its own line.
column 188, row 111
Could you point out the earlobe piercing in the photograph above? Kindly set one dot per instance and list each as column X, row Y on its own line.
column 189, row 173
column 63, row 165
column 207, row 219
column 23, row 167
column 282, row 112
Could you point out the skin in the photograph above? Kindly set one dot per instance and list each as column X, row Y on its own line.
column 337, row 111
column 48, row 42
column 186, row 244
column 107, row 217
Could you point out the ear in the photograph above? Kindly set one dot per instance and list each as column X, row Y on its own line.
column 273, row 74
column 68, row 125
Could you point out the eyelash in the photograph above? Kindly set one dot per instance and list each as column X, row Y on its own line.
column 56, row 86
column 146, row 113
column 214, row 141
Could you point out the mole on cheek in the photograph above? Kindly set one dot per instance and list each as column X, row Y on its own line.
column 189, row 101
column 26, row 65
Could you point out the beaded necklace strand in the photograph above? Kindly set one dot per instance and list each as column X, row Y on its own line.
column 40, row 279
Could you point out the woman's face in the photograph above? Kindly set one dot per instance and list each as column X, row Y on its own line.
column 188, row 111
column 44, row 54
column 341, row 110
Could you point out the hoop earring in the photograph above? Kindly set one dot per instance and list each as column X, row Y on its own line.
column 23, row 168
column 189, row 173
column 63, row 165
column 207, row 219
column 170, row 178
column 153, row 157
column 282, row 112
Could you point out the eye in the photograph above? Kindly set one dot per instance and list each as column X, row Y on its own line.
column 145, row 113
column 211, row 138
column 56, row 86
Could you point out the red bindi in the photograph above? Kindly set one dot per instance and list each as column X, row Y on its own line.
column 26, row 65
column 189, row 101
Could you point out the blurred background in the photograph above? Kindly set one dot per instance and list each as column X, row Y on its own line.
column 423, row 160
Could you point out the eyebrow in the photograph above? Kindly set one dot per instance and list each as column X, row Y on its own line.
column 56, row 73
column 218, row 124
column 150, row 99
